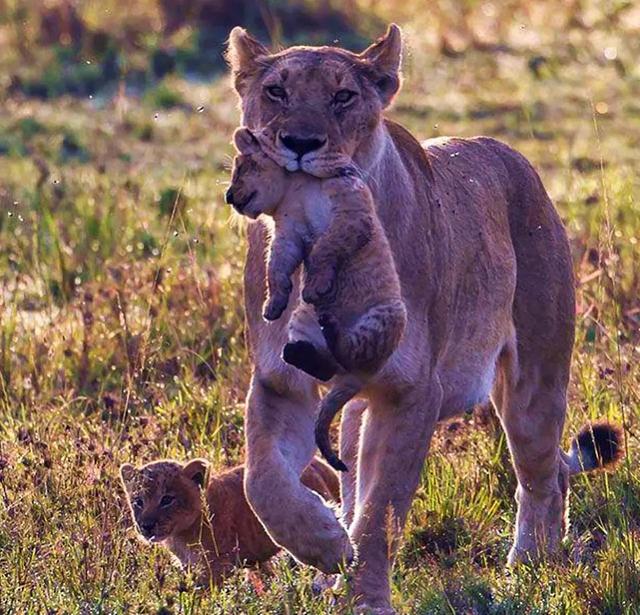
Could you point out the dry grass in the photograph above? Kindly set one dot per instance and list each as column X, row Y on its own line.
column 121, row 327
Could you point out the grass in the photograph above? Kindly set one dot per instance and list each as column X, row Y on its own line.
column 121, row 335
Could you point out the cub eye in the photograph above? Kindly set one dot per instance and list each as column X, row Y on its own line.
column 138, row 503
column 166, row 501
column 276, row 92
column 342, row 97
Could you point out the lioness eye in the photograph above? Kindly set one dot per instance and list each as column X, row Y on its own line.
column 275, row 91
column 166, row 500
column 343, row 96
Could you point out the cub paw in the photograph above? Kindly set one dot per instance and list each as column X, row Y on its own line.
column 319, row 286
column 274, row 307
column 305, row 357
column 330, row 328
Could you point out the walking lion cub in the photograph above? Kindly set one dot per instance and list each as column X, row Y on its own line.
column 351, row 281
column 166, row 499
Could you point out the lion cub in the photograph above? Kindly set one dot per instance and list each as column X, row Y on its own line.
column 165, row 498
column 351, row 279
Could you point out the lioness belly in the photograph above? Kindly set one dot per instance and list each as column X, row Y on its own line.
column 468, row 385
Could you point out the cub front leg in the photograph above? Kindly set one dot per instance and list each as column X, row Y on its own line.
column 285, row 255
column 350, row 229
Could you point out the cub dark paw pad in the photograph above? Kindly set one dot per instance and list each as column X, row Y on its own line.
column 305, row 357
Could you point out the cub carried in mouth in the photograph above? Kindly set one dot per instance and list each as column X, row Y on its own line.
column 166, row 500
column 331, row 226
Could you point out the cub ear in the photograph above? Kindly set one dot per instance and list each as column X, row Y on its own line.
column 245, row 141
column 243, row 52
column 197, row 470
column 385, row 57
column 127, row 473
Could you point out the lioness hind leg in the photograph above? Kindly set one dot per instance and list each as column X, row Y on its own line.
column 532, row 411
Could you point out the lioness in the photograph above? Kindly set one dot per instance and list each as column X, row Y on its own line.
column 351, row 280
column 486, row 276
column 165, row 499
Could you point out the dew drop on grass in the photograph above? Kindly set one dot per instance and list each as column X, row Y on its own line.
column 10, row 214
column 200, row 109
column 156, row 116
column 175, row 233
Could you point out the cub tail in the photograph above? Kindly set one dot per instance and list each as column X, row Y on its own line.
column 597, row 446
column 345, row 388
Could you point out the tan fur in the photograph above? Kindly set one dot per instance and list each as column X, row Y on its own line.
column 350, row 275
column 229, row 535
column 486, row 276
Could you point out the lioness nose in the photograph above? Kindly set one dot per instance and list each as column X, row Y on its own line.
column 301, row 145
column 147, row 526
column 228, row 196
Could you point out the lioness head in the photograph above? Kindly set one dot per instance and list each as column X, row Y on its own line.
column 164, row 496
column 324, row 103
column 257, row 183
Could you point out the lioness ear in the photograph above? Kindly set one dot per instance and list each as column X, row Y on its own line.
column 385, row 57
column 245, row 142
column 196, row 470
column 127, row 472
column 242, row 55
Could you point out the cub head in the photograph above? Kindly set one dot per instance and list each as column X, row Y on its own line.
column 164, row 496
column 324, row 103
column 258, row 184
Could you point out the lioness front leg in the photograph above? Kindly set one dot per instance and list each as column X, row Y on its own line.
column 279, row 431
column 395, row 438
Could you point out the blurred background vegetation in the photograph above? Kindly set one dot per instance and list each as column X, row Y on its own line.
column 121, row 325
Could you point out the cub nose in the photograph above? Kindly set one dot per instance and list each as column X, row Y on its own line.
column 228, row 197
column 301, row 145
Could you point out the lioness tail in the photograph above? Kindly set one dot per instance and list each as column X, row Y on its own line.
column 597, row 446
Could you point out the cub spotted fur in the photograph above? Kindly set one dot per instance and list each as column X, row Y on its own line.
column 166, row 503
column 351, row 280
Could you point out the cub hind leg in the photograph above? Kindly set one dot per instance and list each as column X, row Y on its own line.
column 368, row 343
column 361, row 350
column 307, row 348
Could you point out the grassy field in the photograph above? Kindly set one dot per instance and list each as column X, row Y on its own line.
column 121, row 324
